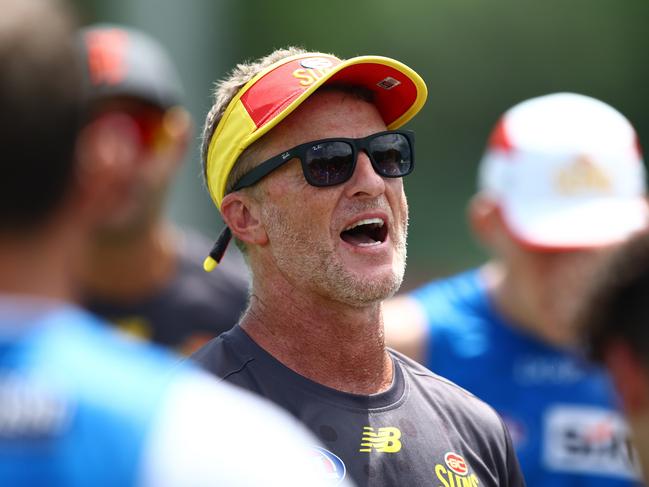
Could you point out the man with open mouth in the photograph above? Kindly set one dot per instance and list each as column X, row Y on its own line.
column 304, row 156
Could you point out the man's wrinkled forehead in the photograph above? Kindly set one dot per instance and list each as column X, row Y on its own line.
column 338, row 111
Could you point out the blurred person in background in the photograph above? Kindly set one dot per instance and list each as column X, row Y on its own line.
column 304, row 157
column 79, row 404
column 561, row 184
column 615, row 321
column 143, row 273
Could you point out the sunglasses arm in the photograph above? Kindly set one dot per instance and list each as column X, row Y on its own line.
column 216, row 254
column 262, row 170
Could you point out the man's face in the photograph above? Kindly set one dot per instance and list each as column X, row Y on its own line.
column 144, row 174
column 310, row 241
column 554, row 285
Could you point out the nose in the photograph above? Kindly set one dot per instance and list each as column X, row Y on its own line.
column 365, row 181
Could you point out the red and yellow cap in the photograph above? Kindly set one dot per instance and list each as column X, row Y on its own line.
column 276, row 91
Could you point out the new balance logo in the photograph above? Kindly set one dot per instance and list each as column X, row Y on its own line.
column 385, row 440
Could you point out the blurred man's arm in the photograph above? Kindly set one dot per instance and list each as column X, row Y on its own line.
column 213, row 434
column 405, row 327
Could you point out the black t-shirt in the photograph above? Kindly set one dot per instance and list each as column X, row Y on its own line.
column 194, row 307
column 424, row 430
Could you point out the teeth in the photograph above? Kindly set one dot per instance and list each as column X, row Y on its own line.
column 367, row 221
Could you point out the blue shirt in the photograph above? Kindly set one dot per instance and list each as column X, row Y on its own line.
column 76, row 401
column 82, row 406
column 560, row 409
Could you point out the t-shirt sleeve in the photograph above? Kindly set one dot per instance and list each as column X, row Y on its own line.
column 212, row 434
column 513, row 470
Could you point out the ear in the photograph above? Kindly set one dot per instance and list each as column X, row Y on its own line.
column 484, row 219
column 630, row 376
column 178, row 128
column 241, row 214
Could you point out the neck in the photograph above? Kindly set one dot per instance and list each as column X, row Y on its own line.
column 132, row 266
column 510, row 299
column 41, row 264
column 335, row 345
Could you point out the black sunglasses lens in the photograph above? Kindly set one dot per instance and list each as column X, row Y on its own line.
column 391, row 154
column 329, row 163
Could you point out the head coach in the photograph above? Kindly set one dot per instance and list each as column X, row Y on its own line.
column 304, row 156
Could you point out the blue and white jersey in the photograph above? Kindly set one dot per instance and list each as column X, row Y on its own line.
column 81, row 406
column 560, row 409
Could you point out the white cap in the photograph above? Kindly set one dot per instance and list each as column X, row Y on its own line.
column 567, row 173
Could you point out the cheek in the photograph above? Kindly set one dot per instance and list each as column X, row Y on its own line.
column 397, row 199
column 306, row 210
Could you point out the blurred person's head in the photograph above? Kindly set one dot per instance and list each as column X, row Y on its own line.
column 615, row 321
column 323, row 217
column 128, row 74
column 49, row 198
column 40, row 112
column 561, row 184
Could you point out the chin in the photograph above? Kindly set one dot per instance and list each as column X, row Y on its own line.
column 362, row 290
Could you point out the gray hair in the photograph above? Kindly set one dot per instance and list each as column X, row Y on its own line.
column 224, row 91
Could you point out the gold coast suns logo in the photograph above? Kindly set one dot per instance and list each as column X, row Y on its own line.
column 455, row 472
column 313, row 68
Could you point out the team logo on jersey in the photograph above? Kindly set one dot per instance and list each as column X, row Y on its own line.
column 456, row 463
column 588, row 440
column 327, row 465
column 455, row 472
column 384, row 440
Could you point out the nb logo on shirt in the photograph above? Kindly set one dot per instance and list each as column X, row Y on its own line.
column 384, row 440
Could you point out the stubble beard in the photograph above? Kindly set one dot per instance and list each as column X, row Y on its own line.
column 310, row 263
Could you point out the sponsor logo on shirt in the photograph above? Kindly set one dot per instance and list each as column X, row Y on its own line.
column 328, row 465
column 532, row 370
column 455, row 472
column 30, row 409
column 384, row 440
column 588, row 440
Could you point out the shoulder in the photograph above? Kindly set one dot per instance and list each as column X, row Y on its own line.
column 451, row 292
column 457, row 307
column 457, row 404
column 98, row 364
column 225, row 356
column 467, row 418
column 214, row 423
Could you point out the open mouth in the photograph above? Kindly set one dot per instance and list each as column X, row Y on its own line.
column 365, row 233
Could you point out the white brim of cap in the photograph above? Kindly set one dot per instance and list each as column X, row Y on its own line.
column 580, row 225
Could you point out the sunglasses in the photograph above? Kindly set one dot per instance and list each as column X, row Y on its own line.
column 150, row 128
column 329, row 162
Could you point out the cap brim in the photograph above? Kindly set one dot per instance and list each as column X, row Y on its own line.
column 588, row 224
column 398, row 90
